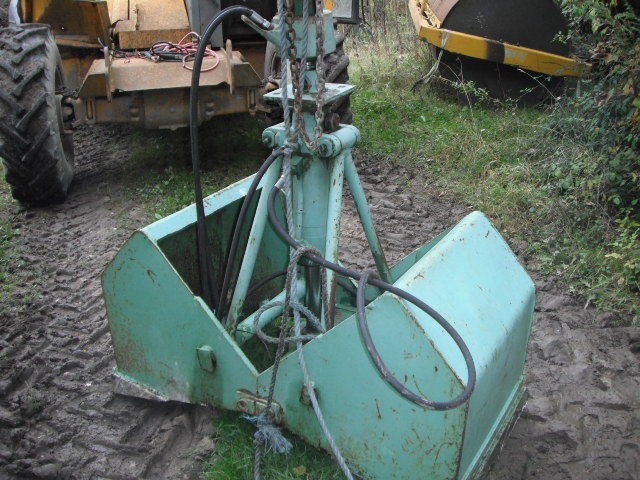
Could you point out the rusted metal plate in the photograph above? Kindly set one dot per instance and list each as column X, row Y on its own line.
column 95, row 82
column 252, row 404
column 253, row 53
column 142, row 23
column 135, row 74
column 77, row 23
column 165, row 108
column 140, row 74
column 136, row 39
column 441, row 8
column 75, row 70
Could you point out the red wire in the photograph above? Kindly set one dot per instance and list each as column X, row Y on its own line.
column 188, row 49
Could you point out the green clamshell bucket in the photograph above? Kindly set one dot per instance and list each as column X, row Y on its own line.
column 170, row 345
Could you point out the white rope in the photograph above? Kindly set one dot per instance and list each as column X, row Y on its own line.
column 295, row 254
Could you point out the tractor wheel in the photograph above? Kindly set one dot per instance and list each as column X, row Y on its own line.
column 337, row 64
column 35, row 148
column 536, row 24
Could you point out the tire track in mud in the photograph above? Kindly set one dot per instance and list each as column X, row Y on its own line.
column 59, row 417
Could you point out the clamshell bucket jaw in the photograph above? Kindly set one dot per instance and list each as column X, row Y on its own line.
column 170, row 345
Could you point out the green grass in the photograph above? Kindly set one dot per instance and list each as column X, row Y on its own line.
column 501, row 160
column 160, row 175
column 234, row 456
column 475, row 153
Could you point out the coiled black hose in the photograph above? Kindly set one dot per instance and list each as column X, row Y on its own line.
column 402, row 390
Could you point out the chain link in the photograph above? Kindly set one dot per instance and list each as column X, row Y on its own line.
column 320, row 71
column 297, row 78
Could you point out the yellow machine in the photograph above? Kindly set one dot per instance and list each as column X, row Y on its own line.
column 69, row 62
column 508, row 47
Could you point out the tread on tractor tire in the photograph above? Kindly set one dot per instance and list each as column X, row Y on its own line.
column 35, row 148
column 337, row 64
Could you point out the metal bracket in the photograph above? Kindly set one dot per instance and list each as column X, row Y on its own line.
column 229, row 54
column 252, row 404
column 206, row 358
column 331, row 144
column 305, row 398
column 107, row 74
column 273, row 35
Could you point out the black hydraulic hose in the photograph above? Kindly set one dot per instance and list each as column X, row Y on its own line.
column 265, row 280
column 225, row 290
column 348, row 287
column 207, row 283
column 365, row 333
column 270, row 278
column 403, row 390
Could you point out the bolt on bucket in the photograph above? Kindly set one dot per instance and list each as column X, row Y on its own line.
column 170, row 345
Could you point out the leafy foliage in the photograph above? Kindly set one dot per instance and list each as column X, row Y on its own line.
column 604, row 117
column 609, row 109
column 625, row 256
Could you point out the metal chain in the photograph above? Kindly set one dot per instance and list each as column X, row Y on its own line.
column 321, row 73
column 296, row 77
column 298, row 68
column 299, row 133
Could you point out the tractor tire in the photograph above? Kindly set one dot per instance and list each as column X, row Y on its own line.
column 337, row 64
column 35, row 148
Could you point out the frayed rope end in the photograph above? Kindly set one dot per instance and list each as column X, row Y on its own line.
column 268, row 435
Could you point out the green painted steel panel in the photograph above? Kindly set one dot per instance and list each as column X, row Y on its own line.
column 468, row 274
column 474, row 280
column 157, row 324
column 378, row 431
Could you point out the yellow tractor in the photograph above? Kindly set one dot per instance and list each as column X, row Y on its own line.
column 510, row 48
column 70, row 62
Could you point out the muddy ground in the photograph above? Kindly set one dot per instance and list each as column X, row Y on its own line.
column 59, row 417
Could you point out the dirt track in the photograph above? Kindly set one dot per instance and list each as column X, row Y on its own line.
column 59, row 417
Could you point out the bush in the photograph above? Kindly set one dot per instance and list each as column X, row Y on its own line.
column 609, row 109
